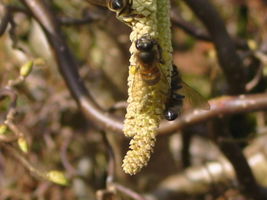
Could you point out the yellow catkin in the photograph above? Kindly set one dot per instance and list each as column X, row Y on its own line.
column 146, row 103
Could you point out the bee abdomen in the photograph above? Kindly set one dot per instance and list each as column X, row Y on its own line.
column 151, row 76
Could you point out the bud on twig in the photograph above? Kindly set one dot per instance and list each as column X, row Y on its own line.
column 57, row 177
column 3, row 129
column 26, row 69
column 23, row 145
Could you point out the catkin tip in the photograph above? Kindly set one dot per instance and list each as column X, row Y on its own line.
column 141, row 148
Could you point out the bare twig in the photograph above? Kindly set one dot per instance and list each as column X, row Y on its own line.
column 222, row 106
column 67, row 21
column 5, row 20
column 185, row 152
column 68, row 67
column 111, row 161
column 128, row 192
column 229, row 60
column 118, row 105
column 234, row 154
column 262, row 56
column 8, row 91
column 8, row 19
column 256, row 79
column 197, row 180
column 199, row 33
column 24, row 161
column 63, row 153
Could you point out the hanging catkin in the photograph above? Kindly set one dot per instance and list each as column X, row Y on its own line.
column 146, row 103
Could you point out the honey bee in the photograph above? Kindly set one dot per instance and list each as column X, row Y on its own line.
column 181, row 93
column 124, row 10
column 148, row 58
column 121, row 7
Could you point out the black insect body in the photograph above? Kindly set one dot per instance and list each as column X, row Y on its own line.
column 182, row 95
column 120, row 6
column 175, row 102
column 123, row 9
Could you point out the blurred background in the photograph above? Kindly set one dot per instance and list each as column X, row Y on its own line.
column 60, row 137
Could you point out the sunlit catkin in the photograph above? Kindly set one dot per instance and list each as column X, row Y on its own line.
column 146, row 103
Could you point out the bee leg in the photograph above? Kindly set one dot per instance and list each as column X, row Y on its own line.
column 177, row 97
column 175, row 85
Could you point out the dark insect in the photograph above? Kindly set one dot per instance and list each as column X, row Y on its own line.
column 123, row 8
column 180, row 94
column 175, row 102
column 148, row 58
column 120, row 6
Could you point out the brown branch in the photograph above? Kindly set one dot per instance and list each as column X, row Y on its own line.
column 67, row 21
column 63, row 153
column 199, row 33
column 233, row 69
column 88, row 17
column 222, row 106
column 232, row 151
column 111, row 160
column 256, row 79
column 6, row 92
column 128, row 192
column 69, row 69
column 7, row 18
column 229, row 60
column 16, row 154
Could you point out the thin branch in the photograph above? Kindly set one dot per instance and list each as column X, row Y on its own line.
column 234, row 154
column 256, row 79
column 185, row 151
column 5, row 20
column 67, row 21
column 6, row 92
column 128, row 192
column 229, row 60
column 199, row 33
column 24, row 161
column 261, row 55
column 69, row 69
column 222, row 106
column 63, row 153
column 111, row 160
column 86, row 19
column 118, row 106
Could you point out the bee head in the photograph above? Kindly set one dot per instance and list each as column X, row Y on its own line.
column 145, row 43
column 116, row 5
column 170, row 115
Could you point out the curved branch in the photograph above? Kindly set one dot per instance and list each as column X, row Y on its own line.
column 69, row 69
column 221, row 106
column 229, row 60
column 199, row 33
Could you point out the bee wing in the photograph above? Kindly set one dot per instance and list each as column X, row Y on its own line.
column 98, row 2
column 192, row 98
